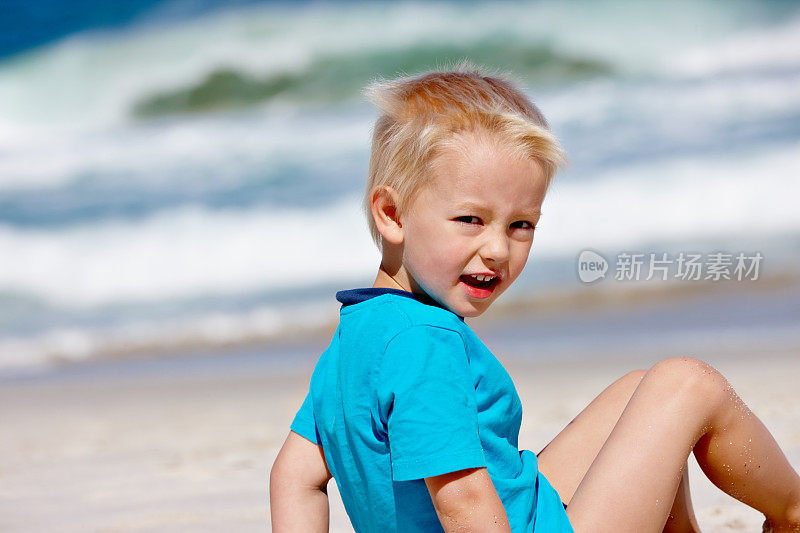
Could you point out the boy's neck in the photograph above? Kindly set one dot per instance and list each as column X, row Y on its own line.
column 384, row 280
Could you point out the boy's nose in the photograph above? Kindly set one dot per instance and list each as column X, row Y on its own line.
column 496, row 247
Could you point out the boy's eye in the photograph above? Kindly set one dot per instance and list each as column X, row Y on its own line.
column 468, row 220
column 522, row 224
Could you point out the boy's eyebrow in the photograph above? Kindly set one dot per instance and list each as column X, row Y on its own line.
column 473, row 206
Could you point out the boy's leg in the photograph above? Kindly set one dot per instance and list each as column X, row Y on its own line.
column 566, row 459
column 683, row 404
column 681, row 517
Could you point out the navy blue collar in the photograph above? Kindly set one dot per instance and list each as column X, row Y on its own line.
column 354, row 296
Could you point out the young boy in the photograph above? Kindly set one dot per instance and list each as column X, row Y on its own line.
column 418, row 422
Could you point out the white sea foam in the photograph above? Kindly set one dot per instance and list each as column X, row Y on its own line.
column 196, row 332
column 172, row 152
column 683, row 200
column 772, row 48
column 683, row 107
column 187, row 253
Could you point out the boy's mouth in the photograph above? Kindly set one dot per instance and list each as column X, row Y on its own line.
column 479, row 285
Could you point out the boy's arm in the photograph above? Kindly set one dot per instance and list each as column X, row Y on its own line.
column 466, row 500
column 298, row 487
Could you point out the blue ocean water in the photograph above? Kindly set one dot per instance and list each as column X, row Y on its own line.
column 26, row 25
column 177, row 174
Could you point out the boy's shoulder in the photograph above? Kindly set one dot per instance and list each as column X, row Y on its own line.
column 401, row 312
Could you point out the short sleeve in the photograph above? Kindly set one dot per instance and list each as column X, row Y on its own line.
column 303, row 423
column 425, row 389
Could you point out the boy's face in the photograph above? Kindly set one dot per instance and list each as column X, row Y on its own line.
column 476, row 218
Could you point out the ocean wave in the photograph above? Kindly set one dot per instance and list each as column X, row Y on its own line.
column 324, row 50
column 190, row 252
column 720, row 198
column 184, row 253
column 203, row 154
column 655, row 121
column 267, row 158
column 776, row 48
column 330, row 79
column 179, row 334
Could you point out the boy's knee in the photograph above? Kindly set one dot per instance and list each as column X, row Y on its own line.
column 630, row 381
column 691, row 376
column 635, row 376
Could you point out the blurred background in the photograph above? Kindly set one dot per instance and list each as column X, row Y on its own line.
column 185, row 175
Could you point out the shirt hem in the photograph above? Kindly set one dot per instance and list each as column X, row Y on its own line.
column 437, row 465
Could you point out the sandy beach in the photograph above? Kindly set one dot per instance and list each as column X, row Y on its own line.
column 185, row 444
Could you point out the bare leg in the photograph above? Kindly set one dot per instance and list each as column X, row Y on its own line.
column 681, row 405
column 681, row 517
column 566, row 459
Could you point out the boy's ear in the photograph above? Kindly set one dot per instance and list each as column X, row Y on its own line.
column 383, row 202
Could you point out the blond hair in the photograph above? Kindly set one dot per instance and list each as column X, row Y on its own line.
column 420, row 115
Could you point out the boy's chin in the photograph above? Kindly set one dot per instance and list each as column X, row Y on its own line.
column 469, row 308
column 472, row 311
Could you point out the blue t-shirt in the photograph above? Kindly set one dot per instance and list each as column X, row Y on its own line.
column 407, row 391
